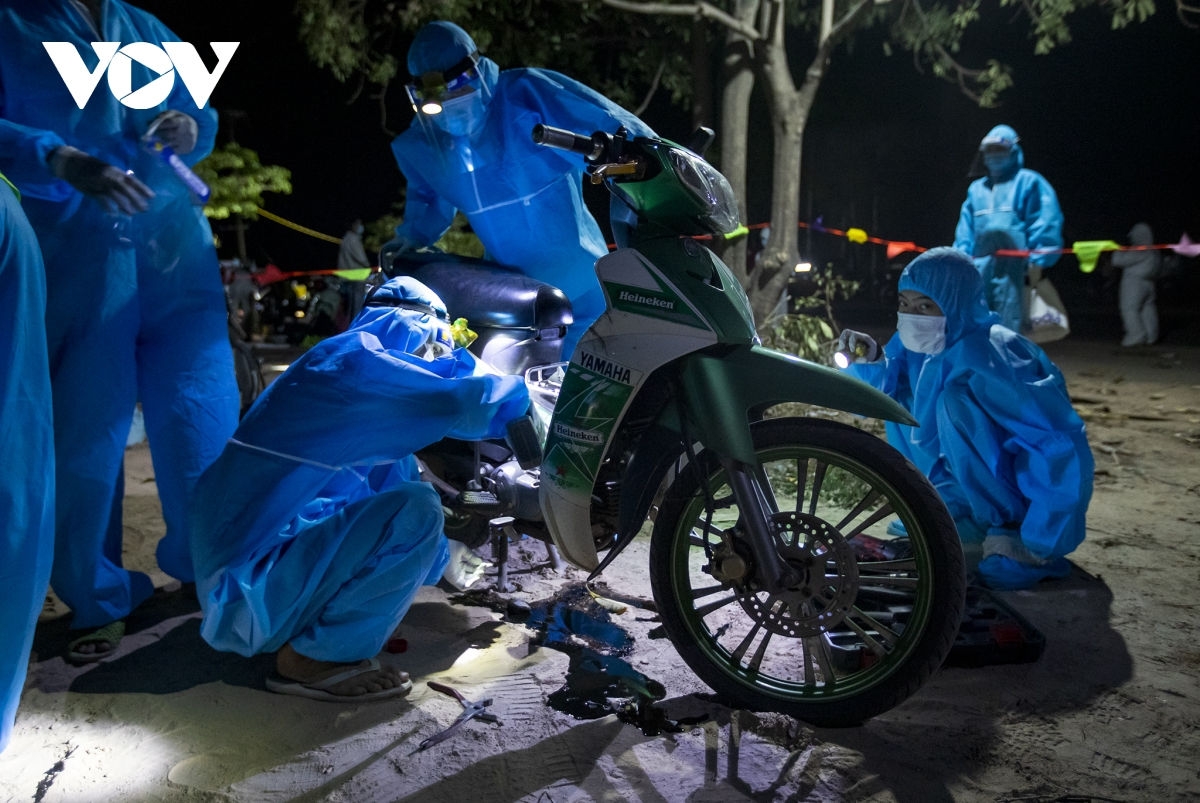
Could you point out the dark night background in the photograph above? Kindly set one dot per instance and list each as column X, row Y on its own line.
column 1112, row 120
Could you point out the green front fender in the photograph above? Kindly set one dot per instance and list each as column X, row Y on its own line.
column 720, row 391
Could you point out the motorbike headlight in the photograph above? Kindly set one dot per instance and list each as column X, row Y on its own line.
column 709, row 187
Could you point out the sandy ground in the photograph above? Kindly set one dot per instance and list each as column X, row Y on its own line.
column 1110, row 710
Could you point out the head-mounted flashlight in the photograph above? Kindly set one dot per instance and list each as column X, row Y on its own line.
column 437, row 87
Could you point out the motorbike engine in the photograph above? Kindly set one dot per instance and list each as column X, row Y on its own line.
column 516, row 489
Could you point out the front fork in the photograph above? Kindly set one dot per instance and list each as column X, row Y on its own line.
column 752, row 493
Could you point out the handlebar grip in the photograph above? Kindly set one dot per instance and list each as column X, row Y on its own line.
column 561, row 138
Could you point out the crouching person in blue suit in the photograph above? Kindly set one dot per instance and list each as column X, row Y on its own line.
column 312, row 531
column 998, row 437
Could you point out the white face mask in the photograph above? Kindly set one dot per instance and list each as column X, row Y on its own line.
column 923, row 333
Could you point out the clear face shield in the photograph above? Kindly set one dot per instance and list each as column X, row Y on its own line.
column 451, row 104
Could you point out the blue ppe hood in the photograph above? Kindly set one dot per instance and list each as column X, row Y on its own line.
column 949, row 277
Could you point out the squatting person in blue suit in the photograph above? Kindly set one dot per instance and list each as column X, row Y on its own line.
column 1009, row 208
column 470, row 149
column 27, row 444
column 319, row 557
column 998, row 437
column 135, row 307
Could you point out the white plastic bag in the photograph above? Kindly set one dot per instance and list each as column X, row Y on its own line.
column 1047, row 316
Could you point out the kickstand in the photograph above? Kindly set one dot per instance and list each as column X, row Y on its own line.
column 502, row 532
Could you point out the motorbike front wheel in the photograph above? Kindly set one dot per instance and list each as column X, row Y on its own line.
column 871, row 615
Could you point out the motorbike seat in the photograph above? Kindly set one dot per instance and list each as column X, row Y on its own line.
column 492, row 296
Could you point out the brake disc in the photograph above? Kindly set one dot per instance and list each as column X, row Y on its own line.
column 828, row 585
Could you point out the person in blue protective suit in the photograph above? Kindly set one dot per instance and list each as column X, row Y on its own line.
column 470, row 149
column 27, row 440
column 1009, row 208
column 998, row 437
column 320, row 557
column 135, row 307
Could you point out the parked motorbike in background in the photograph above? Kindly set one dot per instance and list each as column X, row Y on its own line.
column 770, row 561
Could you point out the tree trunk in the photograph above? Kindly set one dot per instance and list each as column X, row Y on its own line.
column 738, row 84
column 702, row 77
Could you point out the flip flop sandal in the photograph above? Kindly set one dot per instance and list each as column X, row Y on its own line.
column 319, row 689
column 111, row 634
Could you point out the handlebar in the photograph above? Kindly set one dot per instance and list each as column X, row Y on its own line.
column 590, row 147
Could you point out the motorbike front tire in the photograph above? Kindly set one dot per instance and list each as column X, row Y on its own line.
column 863, row 630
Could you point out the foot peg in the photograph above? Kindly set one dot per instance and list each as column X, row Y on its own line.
column 478, row 500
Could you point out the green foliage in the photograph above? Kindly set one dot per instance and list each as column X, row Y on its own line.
column 364, row 42
column 238, row 180
column 459, row 239
column 811, row 329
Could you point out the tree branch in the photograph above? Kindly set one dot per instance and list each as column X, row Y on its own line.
column 702, row 10
column 961, row 72
column 641, row 109
column 1182, row 9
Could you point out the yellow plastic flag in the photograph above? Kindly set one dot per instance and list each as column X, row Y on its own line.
column 461, row 334
column 856, row 235
column 1088, row 251
column 355, row 274
column 740, row 231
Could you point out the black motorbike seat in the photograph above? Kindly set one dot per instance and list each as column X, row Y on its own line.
column 490, row 295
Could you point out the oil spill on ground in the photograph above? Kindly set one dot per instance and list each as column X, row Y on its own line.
column 599, row 681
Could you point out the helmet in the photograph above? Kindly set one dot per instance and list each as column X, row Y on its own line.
column 443, row 62
column 425, row 318
column 440, row 47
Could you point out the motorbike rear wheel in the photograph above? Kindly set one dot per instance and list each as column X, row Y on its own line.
column 873, row 616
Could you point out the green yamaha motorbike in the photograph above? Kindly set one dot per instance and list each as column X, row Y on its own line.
column 771, row 561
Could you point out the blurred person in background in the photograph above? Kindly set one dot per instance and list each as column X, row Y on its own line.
column 1009, row 208
column 1136, row 295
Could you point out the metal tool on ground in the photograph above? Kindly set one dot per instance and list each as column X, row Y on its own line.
column 471, row 710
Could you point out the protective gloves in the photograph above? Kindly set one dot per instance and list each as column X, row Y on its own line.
column 857, row 346
column 176, row 130
column 118, row 190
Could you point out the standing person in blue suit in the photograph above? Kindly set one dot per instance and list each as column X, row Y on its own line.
column 470, row 149
column 27, row 440
column 998, row 437
column 1009, row 208
column 135, row 311
column 320, row 557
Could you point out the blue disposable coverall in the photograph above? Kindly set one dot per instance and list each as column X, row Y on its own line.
column 1015, row 208
column 136, row 311
column 312, row 528
column 27, row 441
column 523, row 200
column 998, row 437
